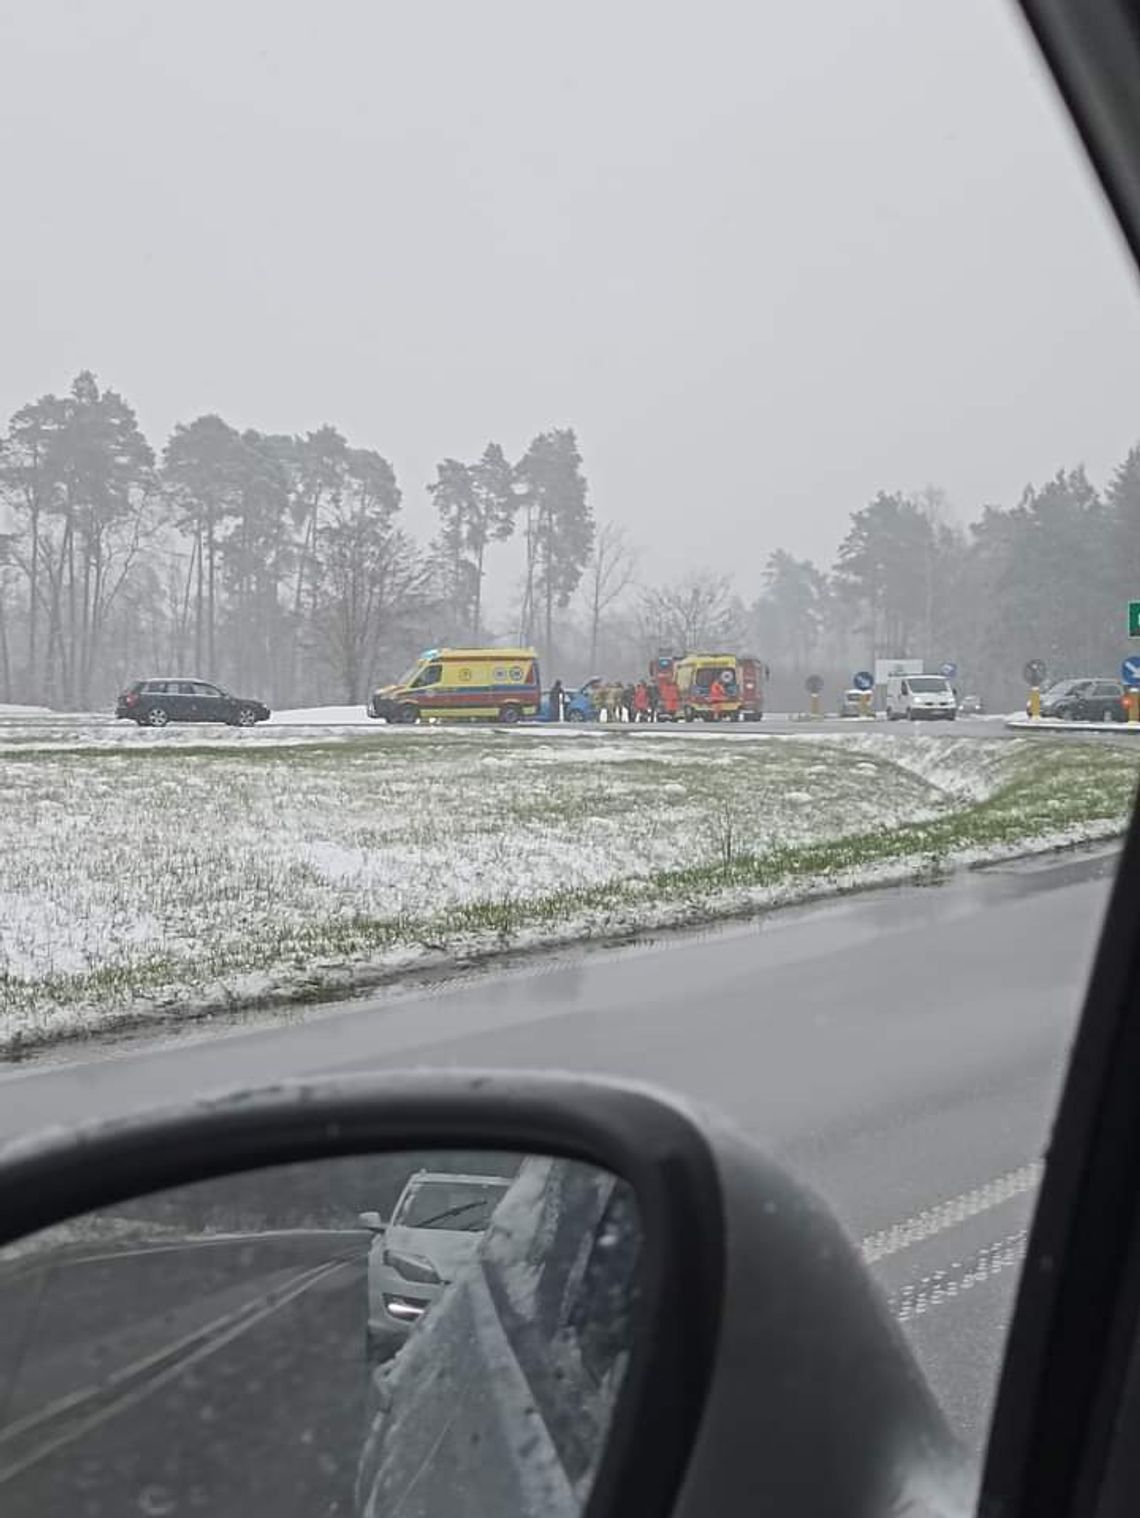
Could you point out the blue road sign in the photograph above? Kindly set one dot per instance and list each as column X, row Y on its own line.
column 948, row 671
column 863, row 679
column 1130, row 670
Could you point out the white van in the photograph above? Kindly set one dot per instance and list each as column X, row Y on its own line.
column 920, row 696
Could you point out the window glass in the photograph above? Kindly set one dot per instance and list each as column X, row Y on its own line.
column 574, row 343
column 460, row 1205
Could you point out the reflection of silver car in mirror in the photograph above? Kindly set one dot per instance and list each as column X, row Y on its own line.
column 507, row 1390
column 434, row 1230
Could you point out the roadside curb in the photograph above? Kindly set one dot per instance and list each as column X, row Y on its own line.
column 1064, row 725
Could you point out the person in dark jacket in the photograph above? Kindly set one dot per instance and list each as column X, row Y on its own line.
column 557, row 701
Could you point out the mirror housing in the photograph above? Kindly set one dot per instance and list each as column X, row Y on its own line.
column 372, row 1221
column 766, row 1373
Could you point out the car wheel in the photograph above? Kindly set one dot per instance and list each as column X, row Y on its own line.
column 575, row 716
column 246, row 716
column 408, row 713
column 158, row 716
column 509, row 714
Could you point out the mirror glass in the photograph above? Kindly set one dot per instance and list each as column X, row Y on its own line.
column 398, row 1334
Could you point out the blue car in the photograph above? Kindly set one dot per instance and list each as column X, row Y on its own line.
column 578, row 705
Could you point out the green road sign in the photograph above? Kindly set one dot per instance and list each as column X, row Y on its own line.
column 1134, row 619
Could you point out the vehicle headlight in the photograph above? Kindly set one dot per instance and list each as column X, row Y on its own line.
column 412, row 1267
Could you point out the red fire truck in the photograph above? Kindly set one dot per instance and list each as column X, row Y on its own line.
column 753, row 676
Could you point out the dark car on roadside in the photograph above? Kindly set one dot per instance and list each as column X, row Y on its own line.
column 1084, row 700
column 154, row 703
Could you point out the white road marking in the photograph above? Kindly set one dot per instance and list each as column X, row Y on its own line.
column 945, row 1285
column 948, row 1214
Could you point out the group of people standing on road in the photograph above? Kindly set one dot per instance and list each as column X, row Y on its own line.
column 615, row 702
column 627, row 703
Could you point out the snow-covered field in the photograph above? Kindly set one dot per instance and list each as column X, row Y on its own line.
column 160, row 874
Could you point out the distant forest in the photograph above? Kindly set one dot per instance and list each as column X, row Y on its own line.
column 278, row 565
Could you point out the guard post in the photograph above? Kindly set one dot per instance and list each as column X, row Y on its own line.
column 1034, row 673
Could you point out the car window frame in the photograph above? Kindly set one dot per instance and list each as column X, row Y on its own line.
column 1076, row 1324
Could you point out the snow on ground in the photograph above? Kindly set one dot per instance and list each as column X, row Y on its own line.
column 1023, row 723
column 323, row 716
column 142, row 878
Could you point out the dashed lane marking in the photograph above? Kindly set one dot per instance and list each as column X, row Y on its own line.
column 942, row 1286
column 948, row 1214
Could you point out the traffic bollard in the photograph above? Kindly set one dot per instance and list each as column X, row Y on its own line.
column 1035, row 702
column 864, row 703
column 1133, row 703
column 814, row 704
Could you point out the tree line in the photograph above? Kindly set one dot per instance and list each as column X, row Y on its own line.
column 279, row 564
column 1048, row 578
column 274, row 563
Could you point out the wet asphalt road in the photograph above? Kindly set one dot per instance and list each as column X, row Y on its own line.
column 218, row 1378
column 901, row 1051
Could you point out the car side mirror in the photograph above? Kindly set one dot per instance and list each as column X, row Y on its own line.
column 372, row 1221
column 607, row 1304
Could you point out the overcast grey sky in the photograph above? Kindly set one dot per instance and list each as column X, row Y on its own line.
column 767, row 259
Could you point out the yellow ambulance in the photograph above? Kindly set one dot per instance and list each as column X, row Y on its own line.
column 450, row 684
column 708, row 686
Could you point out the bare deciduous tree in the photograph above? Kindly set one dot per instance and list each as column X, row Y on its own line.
column 698, row 613
column 610, row 572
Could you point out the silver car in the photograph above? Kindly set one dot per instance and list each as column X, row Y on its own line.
column 852, row 704
column 434, row 1230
